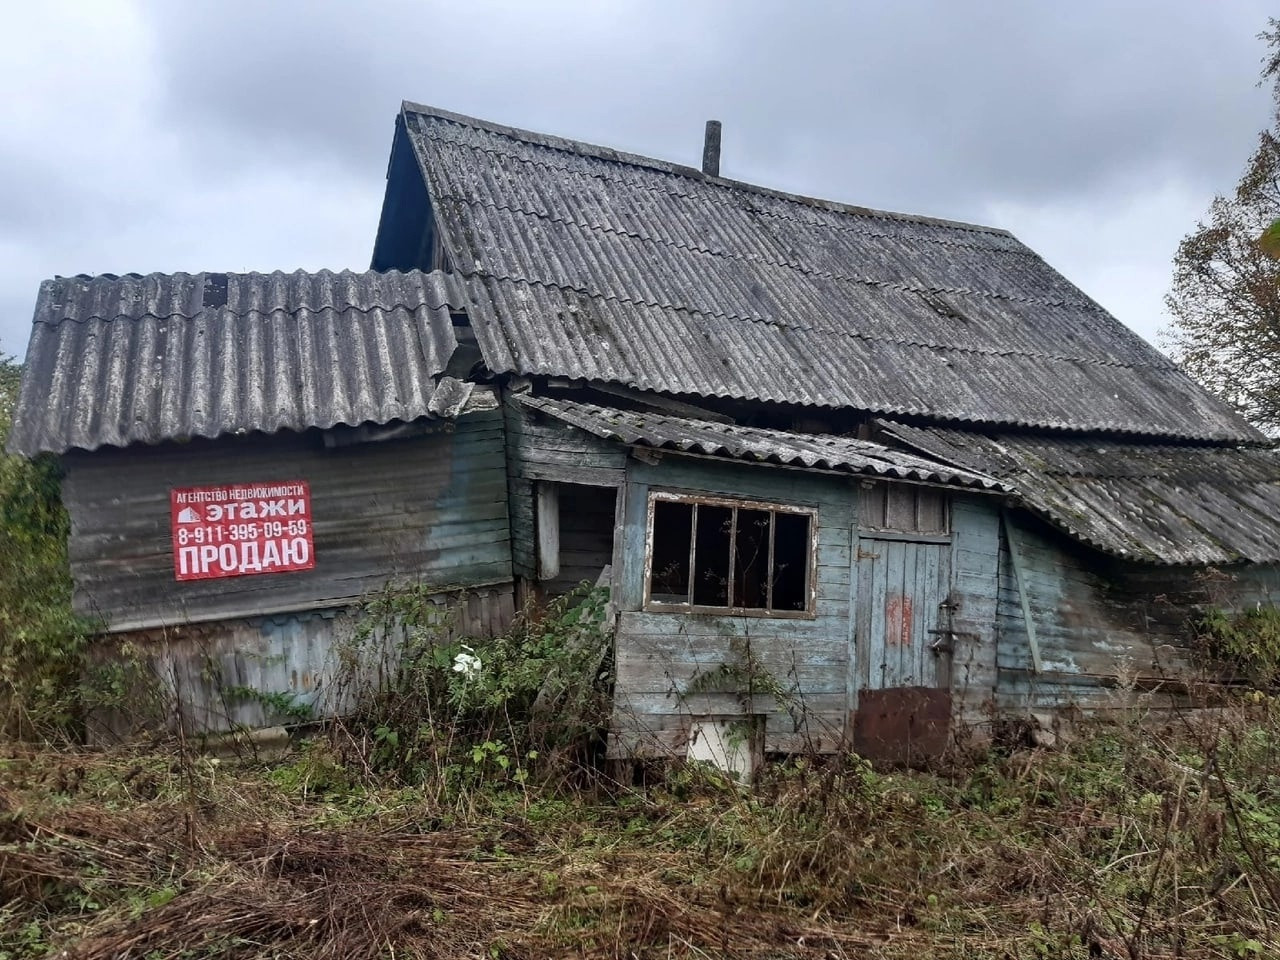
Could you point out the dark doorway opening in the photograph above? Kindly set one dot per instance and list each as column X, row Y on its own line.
column 586, row 535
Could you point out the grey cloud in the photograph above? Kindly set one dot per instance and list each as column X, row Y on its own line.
column 935, row 103
column 247, row 135
column 293, row 82
column 952, row 105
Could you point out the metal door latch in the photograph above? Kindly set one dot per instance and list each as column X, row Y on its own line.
column 945, row 642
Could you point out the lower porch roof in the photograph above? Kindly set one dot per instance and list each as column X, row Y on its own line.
column 1153, row 502
column 690, row 435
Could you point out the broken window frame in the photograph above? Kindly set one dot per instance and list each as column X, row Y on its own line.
column 735, row 503
column 881, row 492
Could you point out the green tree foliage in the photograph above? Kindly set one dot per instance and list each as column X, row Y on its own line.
column 41, row 640
column 1225, row 298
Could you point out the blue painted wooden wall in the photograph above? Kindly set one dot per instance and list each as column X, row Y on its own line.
column 1111, row 634
column 975, row 523
column 811, row 661
column 659, row 654
column 237, row 673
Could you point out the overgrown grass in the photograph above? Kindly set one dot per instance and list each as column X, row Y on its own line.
column 461, row 811
column 1242, row 643
column 1135, row 840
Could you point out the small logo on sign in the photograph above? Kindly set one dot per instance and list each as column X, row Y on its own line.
column 237, row 529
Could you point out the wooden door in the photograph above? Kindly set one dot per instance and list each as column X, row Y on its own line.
column 900, row 662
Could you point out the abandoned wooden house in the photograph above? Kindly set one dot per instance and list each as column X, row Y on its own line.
column 899, row 464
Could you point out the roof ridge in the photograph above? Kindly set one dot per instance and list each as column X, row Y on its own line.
column 856, row 335
column 842, row 227
column 1082, row 302
column 241, row 315
column 185, row 274
column 582, row 148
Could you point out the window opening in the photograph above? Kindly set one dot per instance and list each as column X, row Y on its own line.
column 752, row 535
column 791, row 562
column 714, row 526
column 574, row 534
column 672, row 548
column 729, row 555
column 904, row 508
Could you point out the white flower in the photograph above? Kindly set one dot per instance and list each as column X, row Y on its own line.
column 467, row 664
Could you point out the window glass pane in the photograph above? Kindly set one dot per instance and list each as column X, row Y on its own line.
column 751, row 559
column 791, row 561
column 672, row 529
column 711, row 573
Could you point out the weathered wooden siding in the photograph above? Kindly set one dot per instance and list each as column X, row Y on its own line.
column 1108, row 632
column 1165, row 596
column 1086, row 646
column 430, row 509
column 235, row 674
column 975, row 537
column 539, row 448
column 659, row 654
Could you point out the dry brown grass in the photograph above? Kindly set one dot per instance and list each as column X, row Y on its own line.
column 1135, row 842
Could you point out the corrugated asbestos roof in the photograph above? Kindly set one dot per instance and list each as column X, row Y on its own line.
column 1160, row 503
column 118, row 360
column 755, row 444
column 591, row 264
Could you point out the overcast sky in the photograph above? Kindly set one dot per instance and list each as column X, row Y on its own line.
column 164, row 136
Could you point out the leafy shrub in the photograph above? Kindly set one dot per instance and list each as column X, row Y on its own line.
column 41, row 640
column 1246, row 643
column 466, row 708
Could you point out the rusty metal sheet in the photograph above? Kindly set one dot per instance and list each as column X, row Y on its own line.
column 902, row 725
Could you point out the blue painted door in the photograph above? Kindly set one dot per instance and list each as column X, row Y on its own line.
column 901, row 616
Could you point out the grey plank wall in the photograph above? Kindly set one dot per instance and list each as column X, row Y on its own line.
column 659, row 654
column 539, row 448
column 1085, row 646
column 230, row 674
column 1108, row 631
column 430, row 509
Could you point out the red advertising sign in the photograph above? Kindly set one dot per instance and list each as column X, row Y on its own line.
column 241, row 528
